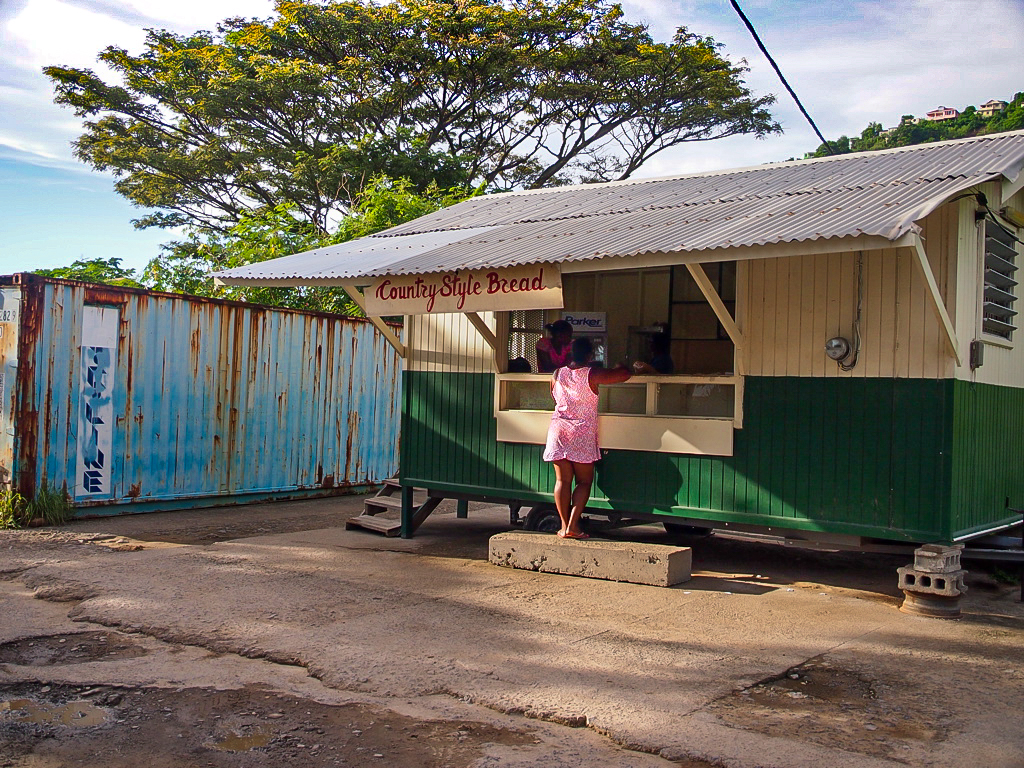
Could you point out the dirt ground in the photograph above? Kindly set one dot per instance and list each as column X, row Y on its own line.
column 269, row 636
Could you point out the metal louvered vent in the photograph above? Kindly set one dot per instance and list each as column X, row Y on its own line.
column 1000, row 286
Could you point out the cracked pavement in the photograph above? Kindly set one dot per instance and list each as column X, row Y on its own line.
column 768, row 657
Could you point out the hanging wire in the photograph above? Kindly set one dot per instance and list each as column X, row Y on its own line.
column 757, row 39
column 856, row 323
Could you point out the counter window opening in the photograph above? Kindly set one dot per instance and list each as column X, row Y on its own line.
column 626, row 310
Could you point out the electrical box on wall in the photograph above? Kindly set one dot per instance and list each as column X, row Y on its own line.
column 977, row 354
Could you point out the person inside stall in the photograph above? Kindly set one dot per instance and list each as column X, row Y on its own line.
column 661, row 361
column 554, row 350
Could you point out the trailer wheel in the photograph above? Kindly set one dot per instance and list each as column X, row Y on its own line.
column 543, row 518
column 679, row 529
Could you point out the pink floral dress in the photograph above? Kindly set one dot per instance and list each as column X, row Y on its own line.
column 572, row 434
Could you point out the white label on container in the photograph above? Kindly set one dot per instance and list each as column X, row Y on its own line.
column 96, row 406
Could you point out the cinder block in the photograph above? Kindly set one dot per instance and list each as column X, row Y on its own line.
column 655, row 564
column 926, row 582
column 937, row 558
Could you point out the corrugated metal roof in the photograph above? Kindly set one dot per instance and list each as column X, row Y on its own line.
column 869, row 193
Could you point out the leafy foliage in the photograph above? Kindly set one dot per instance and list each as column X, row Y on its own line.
column 184, row 266
column 13, row 509
column 300, row 110
column 908, row 132
column 50, row 504
column 98, row 270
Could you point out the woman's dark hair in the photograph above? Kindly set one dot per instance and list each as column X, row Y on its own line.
column 660, row 343
column 559, row 326
column 582, row 350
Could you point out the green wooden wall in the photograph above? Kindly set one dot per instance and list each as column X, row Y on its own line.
column 872, row 457
column 988, row 456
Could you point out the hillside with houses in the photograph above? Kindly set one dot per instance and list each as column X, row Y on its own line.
column 939, row 124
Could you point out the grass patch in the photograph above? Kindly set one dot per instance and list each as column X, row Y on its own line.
column 52, row 505
column 13, row 509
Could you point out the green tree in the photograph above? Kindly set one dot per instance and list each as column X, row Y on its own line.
column 301, row 109
column 96, row 270
column 184, row 266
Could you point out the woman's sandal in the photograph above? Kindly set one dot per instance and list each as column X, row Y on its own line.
column 568, row 535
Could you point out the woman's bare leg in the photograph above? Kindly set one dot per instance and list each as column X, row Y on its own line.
column 584, row 475
column 563, row 491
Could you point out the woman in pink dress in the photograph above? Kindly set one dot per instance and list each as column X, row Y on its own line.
column 572, row 436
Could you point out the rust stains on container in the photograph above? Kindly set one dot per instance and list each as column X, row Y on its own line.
column 140, row 400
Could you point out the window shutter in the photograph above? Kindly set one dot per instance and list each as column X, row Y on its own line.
column 1000, row 286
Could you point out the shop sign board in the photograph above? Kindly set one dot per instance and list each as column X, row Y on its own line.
column 535, row 286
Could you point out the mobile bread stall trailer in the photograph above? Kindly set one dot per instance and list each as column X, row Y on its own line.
column 847, row 362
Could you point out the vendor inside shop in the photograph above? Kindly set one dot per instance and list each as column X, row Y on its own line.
column 656, row 321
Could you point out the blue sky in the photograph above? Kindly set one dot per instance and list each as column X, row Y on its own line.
column 850, row 62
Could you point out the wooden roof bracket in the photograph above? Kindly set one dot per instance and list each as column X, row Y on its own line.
column 721, row 312
column 385, row 330
column 925, row 267
column 1011, row 188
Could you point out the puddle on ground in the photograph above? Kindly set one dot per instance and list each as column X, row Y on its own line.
column 238, row 742
column 826, row 702
column 77, row 714
column 70, row 648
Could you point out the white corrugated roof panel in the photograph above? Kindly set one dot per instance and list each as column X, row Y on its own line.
column 868, row 193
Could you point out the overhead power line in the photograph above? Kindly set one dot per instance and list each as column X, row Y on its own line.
column 757, row 39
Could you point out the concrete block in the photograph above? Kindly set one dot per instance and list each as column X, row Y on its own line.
column 924, row 582
column 654, row 564
column 938, row 558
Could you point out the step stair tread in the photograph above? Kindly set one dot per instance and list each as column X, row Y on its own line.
column 375, row 523
column 384, row 501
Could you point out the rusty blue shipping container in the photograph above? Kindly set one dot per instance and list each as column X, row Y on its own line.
column 141, row 401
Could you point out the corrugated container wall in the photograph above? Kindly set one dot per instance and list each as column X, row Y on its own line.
column 157, row 401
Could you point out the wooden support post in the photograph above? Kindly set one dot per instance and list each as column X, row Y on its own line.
column 925, row 267
column 408, row 511
column 390, row 336
column 462, row 509
column 721, row 312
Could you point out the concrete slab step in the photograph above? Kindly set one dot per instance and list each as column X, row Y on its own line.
column 658, row 565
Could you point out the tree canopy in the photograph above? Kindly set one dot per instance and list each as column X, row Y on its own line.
column 303, row 108
column 98, row 270
column 184, row 266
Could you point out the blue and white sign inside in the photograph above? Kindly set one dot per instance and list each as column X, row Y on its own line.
column 96, row 409
column 584, row 323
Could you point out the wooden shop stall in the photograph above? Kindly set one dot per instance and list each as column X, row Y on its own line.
column 847, row 362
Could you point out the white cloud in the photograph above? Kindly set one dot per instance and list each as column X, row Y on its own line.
column 851, row 63
column 38, row 33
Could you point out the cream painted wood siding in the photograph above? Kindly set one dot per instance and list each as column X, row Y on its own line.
column 448, row 343
column 1004, row 361
column 794, row 304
